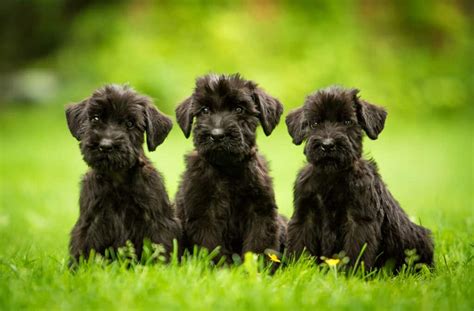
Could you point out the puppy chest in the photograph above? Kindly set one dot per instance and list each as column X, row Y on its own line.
column 328, row 211
column 123, row 207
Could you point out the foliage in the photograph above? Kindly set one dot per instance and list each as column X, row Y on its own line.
column 412, row 56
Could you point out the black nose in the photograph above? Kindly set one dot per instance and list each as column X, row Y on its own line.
column 106, row 145
column 327, row 144
column 217, row 134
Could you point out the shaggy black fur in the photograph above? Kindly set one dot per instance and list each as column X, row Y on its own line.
column 122, row 195
column 226, row 196
column 340, row 200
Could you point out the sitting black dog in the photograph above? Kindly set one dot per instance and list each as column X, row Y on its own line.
column 341, row 202
column 226, row 196
column 122, row 195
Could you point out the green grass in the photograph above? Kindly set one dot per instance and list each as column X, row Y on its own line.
column 428, row 166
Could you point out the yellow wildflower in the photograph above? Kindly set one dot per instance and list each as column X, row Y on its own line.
column 273, row 257
column 332, row 262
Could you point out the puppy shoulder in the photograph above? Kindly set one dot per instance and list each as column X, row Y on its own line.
column 366, row 172
column 372, row 165
column 192, row 159
column 91, row 188
column 304, row 180
column 305, row 174
column 150, row 174
column 261, row 162
column 196, row 167
column 90, row 178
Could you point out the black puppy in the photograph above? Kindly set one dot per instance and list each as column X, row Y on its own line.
column 122, row 195
column 341, row 202
column 226, row 196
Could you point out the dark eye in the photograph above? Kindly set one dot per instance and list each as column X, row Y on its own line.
column 95, row 118
column 205, row 110
column 130, row 124
column 314, row 125
column 239, row 109
column 348, row 122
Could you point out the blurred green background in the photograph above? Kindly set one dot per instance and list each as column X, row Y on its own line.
column 413, row 57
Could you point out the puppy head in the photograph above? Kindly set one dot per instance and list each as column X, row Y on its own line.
column 226, row 110
column 110, row 126
column 331, row 121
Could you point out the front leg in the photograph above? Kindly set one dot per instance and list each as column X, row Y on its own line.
column 83, row 239
column 304, row 229
column 261, row 234
column 208, row 233
column 359, row 232
column 202, row 225
column 163, row 231
column 363, row 225
column 204, row 233
column 94, row 232
column 302, row 236
column 89, row 233
column 79, row 244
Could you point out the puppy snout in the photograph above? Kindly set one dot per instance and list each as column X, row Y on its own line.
column 106, row 145
column 217, row 134
column 327, row 144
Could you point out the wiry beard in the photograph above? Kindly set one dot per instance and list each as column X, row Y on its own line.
column 342, row 158
column 231, row 151
column 117, row 160
column 222, row 158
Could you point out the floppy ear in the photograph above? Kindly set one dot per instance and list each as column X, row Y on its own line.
column 76, row 116
column 157, row 126
column 370, row 117
column 184, row 116
column 270, row 110
column 296, row 124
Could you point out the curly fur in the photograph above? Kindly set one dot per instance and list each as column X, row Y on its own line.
column 341, row 202
column 226, row 196
column 123, row 196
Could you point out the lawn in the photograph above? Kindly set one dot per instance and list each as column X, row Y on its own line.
column 428, row 165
